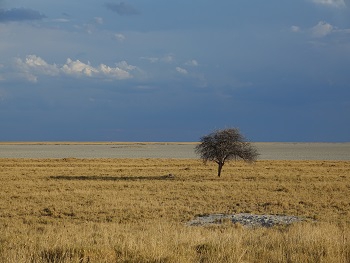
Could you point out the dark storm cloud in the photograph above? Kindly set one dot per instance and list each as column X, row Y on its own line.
column 122, row 8
column 19, row 14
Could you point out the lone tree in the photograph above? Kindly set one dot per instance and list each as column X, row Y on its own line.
column 225, row 145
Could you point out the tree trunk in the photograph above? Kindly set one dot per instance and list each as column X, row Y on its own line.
column 220, row 168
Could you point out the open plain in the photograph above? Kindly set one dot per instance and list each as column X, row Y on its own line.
column 69, row 209
column 267, row 150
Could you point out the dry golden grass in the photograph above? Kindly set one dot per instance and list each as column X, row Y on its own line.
column 127, row 210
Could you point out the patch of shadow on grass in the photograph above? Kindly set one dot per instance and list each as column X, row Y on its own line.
column 112, row 178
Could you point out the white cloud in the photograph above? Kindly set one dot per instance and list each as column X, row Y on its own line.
column 78, row 68
column 322, row 29
column 295, row 29
column 116, row 72
column 34, row 65
column 192, row 62
column 181, row 70
column 119, row 37
column 124, row 65
column 334, row 3
column 39, row 65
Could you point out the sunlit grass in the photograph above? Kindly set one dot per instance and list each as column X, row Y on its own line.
column 129, row 210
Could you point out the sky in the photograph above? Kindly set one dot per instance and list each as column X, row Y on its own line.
column 164, row 70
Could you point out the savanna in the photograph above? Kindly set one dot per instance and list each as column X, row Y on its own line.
column 130, row 210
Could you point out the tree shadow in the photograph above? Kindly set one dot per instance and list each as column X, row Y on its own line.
column 111, row 178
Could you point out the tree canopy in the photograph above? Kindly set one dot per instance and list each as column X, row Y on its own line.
column 224, row 145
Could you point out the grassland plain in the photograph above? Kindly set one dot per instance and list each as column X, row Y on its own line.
column 128, row 210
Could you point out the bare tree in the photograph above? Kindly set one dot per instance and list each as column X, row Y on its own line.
column 224, row 145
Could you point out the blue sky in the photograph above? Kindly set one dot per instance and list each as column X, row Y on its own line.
column 174, row 70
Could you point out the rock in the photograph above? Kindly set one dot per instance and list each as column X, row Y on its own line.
column 247, row 220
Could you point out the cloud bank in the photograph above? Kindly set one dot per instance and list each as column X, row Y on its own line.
column 32, row 66
column 19, row 14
